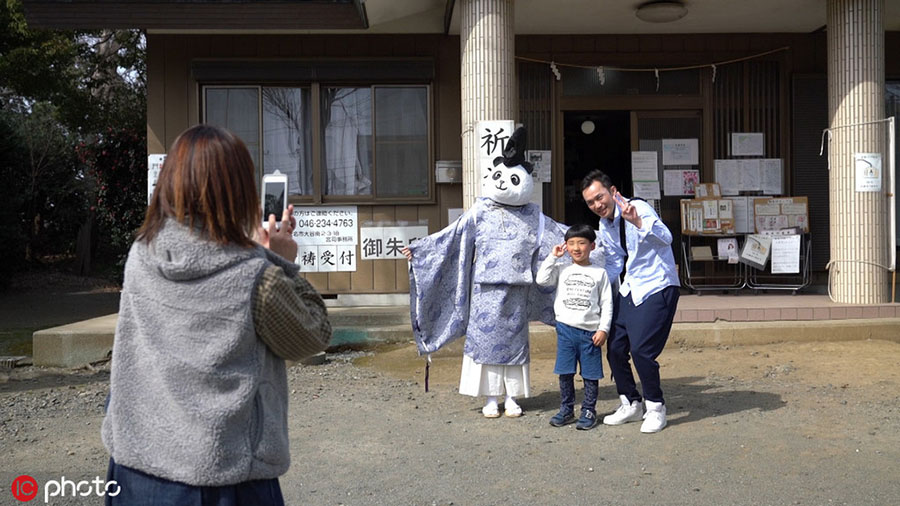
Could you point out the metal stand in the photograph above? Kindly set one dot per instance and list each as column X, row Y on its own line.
column 765, row 280
column 712, row 273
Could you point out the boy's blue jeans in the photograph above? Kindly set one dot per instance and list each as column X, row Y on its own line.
column 575, row 347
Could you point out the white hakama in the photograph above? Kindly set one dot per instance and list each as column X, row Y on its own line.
column 479, row 380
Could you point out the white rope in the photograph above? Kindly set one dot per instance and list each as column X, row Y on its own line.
column 555, row 71
column 830, row 272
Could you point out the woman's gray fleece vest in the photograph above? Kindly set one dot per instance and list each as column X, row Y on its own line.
column 196, row 397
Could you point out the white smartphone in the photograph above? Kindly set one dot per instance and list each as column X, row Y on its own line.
column 274, row 197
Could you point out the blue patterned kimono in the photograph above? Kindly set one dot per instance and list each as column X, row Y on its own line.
column 476, row 278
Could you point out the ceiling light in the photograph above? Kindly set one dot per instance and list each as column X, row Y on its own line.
column 587, row 127
column 661, row 12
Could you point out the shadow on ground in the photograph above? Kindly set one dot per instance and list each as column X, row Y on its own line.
column 688, row 399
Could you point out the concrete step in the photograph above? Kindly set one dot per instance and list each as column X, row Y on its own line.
column 368, row 316
column 89, row 341
column 75, row 344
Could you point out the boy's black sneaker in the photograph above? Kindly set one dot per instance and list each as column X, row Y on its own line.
column 587, row 421
column 562, row 418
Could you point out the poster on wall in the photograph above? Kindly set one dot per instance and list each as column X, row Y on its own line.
column 647, row 190
column 771, row 176
column 680, row 182
column 728, row 175
column 387, row 242
column 325, row 258
column 645, row 175
column 868, row 171
column 325, row 225
column 154, row 166
column 786, row 254
column 681, row 151
column 540, row 159
column 747, row 144
column 644, row 166
column 326, row 238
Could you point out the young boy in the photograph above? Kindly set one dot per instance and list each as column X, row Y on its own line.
column 583, row 307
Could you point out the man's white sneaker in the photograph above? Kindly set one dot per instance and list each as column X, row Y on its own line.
column 628, row 412
column 654, row 418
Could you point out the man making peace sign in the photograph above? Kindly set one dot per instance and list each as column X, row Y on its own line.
column 640, row 264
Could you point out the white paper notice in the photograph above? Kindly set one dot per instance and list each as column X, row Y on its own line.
column 727, row 248
column 710, row 209
column 769, row 223
column 726, row 209
column 786, row 254
column 756, row 250
column 681, row 152
column 647, row 190
column 680, row 182
column 868, row 172
column 696, row 219
column 750, row 179
column 741, row 221
column 747, row 144
column 540, row 159
column 644, row 166
column 154, row 167
column 770, row 209
column 791, row 208
column 672, row 182
column 728, row 176
column 770, row 176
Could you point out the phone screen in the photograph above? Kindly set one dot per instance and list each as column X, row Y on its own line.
column 274, row 201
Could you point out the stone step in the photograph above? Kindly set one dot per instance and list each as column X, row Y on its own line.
column 89, row 341
column 372, row 316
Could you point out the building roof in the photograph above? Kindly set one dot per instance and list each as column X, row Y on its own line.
column 430, row 16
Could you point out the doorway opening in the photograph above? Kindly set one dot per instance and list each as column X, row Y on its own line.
column 594, row 140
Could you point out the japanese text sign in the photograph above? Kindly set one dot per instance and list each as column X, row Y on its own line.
column 385, row 243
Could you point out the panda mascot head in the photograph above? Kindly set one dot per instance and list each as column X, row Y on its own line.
column 509, row 181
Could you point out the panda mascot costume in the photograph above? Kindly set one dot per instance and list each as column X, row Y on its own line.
column 476, row 278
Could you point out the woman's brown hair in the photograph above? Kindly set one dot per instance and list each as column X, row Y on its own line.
column 206, row 182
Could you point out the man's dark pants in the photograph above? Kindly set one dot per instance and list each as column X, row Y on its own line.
column 641, row 332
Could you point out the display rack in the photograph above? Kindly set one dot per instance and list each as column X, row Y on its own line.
column 710, row 273
column 764, row 279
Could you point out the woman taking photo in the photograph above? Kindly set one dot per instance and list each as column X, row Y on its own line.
column 211, row 307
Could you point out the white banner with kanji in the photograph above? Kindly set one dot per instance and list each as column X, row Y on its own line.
column 386, row 243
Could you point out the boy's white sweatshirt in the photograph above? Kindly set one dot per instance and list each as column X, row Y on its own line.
column 583, row 295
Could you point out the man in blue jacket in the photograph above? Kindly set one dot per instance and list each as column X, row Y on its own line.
column 639, row 260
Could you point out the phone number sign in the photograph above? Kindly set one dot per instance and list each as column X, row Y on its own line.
column 326, row 226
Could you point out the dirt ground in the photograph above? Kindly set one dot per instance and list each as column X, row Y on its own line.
column 780, row 424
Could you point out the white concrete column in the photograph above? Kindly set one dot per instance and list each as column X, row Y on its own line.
column 487, row 45
column 859, row 220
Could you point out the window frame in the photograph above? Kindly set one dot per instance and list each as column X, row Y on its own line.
column 318, row 197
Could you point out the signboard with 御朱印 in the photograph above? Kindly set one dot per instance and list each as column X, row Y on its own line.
column 387, row 242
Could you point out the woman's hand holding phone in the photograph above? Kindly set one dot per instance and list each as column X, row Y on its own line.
column 280, row 239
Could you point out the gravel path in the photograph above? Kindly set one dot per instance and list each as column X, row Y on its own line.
column 784, row 424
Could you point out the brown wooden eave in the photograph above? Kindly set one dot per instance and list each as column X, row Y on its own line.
column 197, row 14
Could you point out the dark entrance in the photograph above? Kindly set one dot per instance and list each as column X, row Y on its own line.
column 606, row 147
